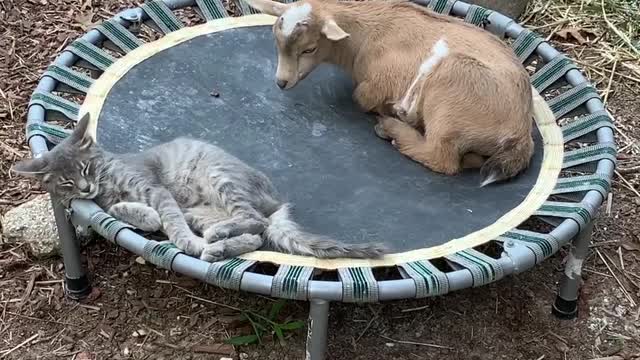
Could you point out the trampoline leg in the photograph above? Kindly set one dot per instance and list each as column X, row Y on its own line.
column 566, row 304
column 77, row 285
column 317, row 332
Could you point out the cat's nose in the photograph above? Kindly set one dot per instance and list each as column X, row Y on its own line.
column 84, row 186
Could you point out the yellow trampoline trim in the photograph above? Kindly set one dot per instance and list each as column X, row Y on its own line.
column 545, row 183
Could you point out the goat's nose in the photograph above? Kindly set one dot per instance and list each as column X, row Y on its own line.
column 282, row 83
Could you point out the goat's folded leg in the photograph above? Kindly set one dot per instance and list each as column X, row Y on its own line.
column 369, row 97
column 435, row 153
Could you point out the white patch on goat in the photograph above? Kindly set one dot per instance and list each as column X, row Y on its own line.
column 439, row 51
column 293, row 16
column 490, row 180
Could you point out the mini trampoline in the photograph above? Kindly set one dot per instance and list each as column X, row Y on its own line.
column 215, row 81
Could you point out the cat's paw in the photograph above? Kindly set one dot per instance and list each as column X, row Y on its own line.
column 228, row 229
column 192, row 245
column 213, row 252
column 150, row 224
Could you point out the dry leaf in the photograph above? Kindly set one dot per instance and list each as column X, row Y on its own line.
column 576, row 34
column 84, row 20
column 85, row 5
column 85, row 356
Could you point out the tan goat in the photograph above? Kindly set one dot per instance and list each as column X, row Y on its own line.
column 444, row 89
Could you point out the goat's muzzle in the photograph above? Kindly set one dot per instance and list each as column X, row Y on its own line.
column 282, row 83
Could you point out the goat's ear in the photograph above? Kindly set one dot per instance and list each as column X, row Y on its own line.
column 332, row 31
column 268, row 7
column 31, row 167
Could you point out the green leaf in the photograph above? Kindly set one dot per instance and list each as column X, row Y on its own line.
column 242, row 340
column 293, row 325
column 279, row 334
column 275, row 308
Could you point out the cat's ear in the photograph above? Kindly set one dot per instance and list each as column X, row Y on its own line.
column 31, row 167
column 81, row 134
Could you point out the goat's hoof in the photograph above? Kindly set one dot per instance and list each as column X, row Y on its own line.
column 379, row 129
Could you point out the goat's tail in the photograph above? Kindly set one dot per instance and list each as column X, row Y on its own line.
column 511, row 158
column 284, row 235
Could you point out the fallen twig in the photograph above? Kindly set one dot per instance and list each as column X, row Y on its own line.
column 624, row 290
column 7, row 352
column 436, row 346
column 620, row 34
column 627, row 184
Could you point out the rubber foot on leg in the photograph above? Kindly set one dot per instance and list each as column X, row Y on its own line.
column 77, row 289
column 565, row 309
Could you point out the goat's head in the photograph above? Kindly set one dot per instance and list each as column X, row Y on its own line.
column 304, row 34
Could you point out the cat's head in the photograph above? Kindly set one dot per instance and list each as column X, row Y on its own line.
column 68, row 170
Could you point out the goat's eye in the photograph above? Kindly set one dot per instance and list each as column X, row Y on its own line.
column 310, row 51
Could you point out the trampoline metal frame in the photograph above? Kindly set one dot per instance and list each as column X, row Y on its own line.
column 514, row 259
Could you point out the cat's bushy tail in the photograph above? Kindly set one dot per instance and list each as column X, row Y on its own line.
column 285, row 235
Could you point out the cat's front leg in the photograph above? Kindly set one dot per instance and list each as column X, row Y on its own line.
column 174, row 222
column 231, row 247
column 137, row 214
column 233, row 227
column 244, row 219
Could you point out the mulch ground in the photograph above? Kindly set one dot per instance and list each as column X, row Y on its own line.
column 141, row 312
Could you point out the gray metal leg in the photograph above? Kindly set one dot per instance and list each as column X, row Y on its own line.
column 317, row 332
column 566, row 304
column 76, row 281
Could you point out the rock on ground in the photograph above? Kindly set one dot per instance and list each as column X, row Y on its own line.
column 510, row 8
column 33, row 224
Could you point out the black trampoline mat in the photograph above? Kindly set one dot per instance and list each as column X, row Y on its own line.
column 318, row 148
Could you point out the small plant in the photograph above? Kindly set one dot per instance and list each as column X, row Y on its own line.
column 265, row 324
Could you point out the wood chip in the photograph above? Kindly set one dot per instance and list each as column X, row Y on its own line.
column 220, row 349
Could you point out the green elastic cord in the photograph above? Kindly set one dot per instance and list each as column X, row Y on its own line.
column 567, row 210
column 107, row 226
column 119, row 35
column 542, row 245
column 551, row 72
column 160, row 254
column 576, row 184
column 358, row 285
column 291, row 282
column 441, row 6
column 227, row 273
column 589, row 154
column 160, row 13
column 246, row 9
column 428, row 279
column 53, row 133
column 483, row 268
column 526, row 43
column 212, row 9
column 91, row 54
column 69, row 77
column 586, row 124
column 477, row 15
column 57, row 104
column 571, row 99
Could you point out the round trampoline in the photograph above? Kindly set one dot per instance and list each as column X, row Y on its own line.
column 215, row 81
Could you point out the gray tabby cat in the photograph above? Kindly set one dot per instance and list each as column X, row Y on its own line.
column 181, row 187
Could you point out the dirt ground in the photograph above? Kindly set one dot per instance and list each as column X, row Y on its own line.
column 142, row 312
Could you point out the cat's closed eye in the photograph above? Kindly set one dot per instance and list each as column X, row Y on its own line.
column 85, row 169
column 66, row 183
